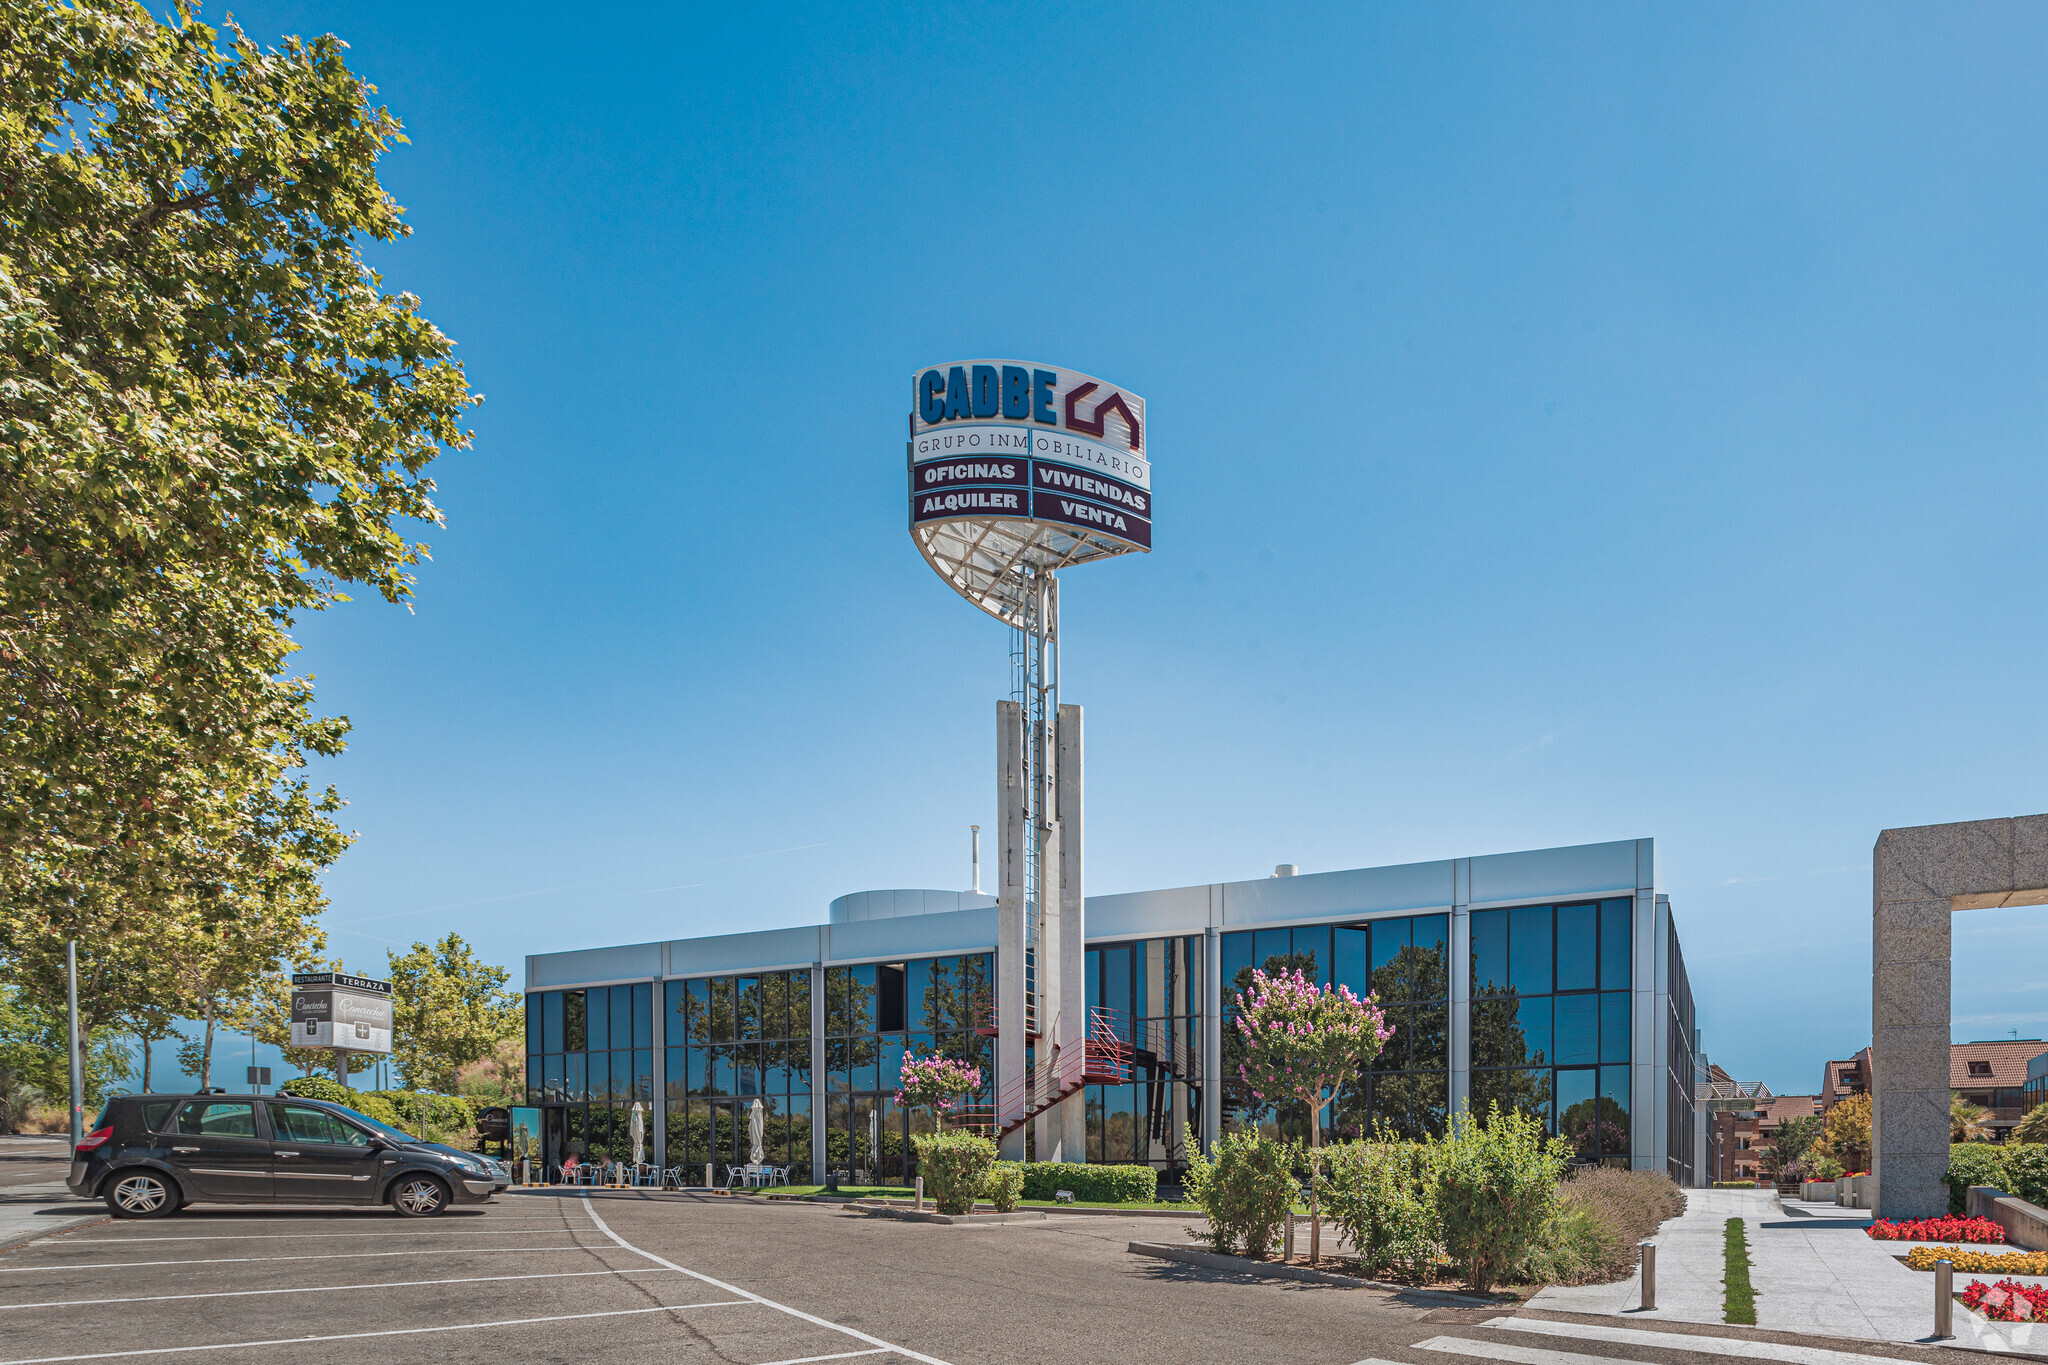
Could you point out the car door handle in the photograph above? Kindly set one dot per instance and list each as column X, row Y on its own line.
column 284, row 1153
column 184, row 1149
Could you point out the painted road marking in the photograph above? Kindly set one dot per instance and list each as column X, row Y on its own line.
column 1678, row 1341
column 1517, row 1355
column 605, row 1228
column 322, row 1288
column 300, row 1236
column 360, row 1336
column 241, row 1260
column 841, row 1355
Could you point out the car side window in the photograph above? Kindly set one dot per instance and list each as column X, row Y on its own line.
column 303, row 1123
column 157, row 1113
column 215, row 1118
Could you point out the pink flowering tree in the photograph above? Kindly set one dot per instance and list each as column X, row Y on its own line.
column 935, row 1081
column 1302, row 1044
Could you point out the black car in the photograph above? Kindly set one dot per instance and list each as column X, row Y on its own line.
column 149, row 1154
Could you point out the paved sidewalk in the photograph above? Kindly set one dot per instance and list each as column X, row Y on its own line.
column 1814, row 1268
column 31, row 1211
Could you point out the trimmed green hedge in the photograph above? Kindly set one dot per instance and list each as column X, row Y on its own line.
column 2018, row 1168
column 1090, row 1184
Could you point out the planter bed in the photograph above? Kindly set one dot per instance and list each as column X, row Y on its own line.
column 1336, row 1271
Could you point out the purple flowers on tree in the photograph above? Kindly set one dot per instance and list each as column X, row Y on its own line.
column 935, row 1081
column 1302, row 1043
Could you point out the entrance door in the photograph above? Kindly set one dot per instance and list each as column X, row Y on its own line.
column 553, row 1119
column 216, row 1152
column 320, row 1158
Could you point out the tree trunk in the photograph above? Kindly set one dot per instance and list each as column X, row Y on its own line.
column 206, row 1051
column 1315, row 1171
column 148, row 1044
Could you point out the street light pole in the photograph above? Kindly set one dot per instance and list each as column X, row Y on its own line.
column 71, row 1037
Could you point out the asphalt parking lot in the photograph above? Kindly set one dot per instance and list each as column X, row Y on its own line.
column 630, row 1276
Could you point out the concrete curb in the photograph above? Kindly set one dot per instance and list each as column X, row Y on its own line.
column 914, row 1216
column 1062, row 1210
column 22, row 1239
column 1269, row 1270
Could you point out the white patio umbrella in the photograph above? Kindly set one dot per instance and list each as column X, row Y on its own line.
column 875, row 1141
column 639, row 1131
column 754, row 1131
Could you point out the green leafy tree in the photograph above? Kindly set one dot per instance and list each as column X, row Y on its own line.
column 1967, row 1121
column 34, row 1069
column 1845, row 1138
column 449, row 1009
column 2033, row 1125
column 1794, row 1138
column 212, row 418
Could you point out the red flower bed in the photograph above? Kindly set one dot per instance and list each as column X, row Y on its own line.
column 2007, row 1301
column 1938, row 1230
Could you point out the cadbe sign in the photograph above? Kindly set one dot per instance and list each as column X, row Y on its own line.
column 1015, row 464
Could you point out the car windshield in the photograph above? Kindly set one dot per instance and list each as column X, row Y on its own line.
column 386, row 1129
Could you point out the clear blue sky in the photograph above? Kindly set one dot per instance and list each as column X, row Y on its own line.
column 1570, row 423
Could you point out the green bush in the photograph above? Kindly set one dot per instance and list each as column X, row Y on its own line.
column 954, row 1166
column 437, row 1118
column 1379, row 1194
column 319, row 1088
column 1496, row 1182
column 1572, row 1239
column 1246, row 1191
column 2018, row 1168
column 1005, row 1185
column 1089, row 1184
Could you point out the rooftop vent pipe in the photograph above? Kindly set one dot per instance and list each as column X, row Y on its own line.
column 1286, row 870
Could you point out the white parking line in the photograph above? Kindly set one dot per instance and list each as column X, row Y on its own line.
column 842, row 1355
column 240, row 1260
column 359, row 1336
column 1679, row 1341
column 313, row 1232
column 605, row 1228
column 1518, row 1355
column 323, row 1288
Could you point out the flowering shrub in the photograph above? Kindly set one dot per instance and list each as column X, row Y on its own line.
column 2007, row 1301
column 1980, row 1262
column 1950, row 1229
column 1302, row 1043
column 935, row 1081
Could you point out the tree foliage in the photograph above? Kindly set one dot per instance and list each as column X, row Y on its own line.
column 449, row 1009
column 212, row 418
column 1845, row 1138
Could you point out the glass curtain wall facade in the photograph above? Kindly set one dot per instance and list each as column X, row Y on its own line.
column 1680, row 1160
column 592, row 1052
column 732, row 1040
column 1150, row 994
column 1550, row 1020
column 876, row 1012
column 1405, row 962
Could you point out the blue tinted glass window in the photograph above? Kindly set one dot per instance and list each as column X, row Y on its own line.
column 643, row 1074
column 677, row 1067
column 699, row 1008
column 1614, row 944
column 1529, row 949
column 533, row 1030
column 597, row 1036
column 597, row 1076
column 624, row 1091
column 1577, row 1110
column 1429, row 1047
column 575, row 1084
column 1352, row 959
column 573, row 1035
column 1578, row 1029
column 1489, row 951
column 699, row 1074
column 1119, row 1124
column 1271, row 948
column 1116, row 980
column 1578, row 947
column 1312, row 954
column 1094, row 971
column 1145, row 962
column 1237, row 955
column 551, row 1077
column 719, row 1078
column 1532, row 1017
column 675, row 1026
column 551, row 1021
column 1431, row 936
column 747, row 1004
column 892, row 1061
column 1614, row 1026
column 1389, row 937
column 865, row 1055
column 861, row 999
column 1614, row 1118
column 643, row 1018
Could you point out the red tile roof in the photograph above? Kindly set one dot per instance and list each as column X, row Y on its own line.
column 2008, row 1063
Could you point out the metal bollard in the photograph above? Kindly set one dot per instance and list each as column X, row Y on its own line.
column 1287, row 1243
column 707, row 1175
column 1944, row 1300
column 920, row 1194
column 1649, row 1250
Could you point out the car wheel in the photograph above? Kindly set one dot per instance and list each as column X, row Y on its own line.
column 141, row 1194
column 419, row 1196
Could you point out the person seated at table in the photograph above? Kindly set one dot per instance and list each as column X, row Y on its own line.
column 569, row 1169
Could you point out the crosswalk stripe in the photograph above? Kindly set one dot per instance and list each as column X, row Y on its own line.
column 1745, row 1347
column 1518, row 1355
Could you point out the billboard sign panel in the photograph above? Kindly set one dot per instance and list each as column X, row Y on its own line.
column 347, row 1019
column 1009, row 441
